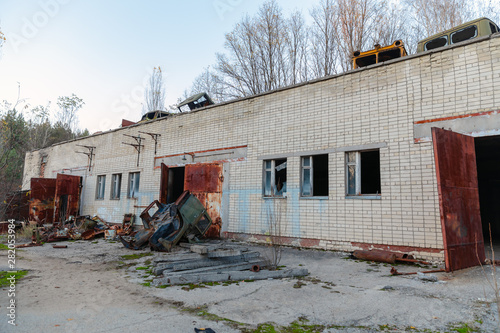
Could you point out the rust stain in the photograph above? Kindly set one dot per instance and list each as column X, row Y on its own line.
column 457, row 117
column 216, row 161
column 202, row 151
column 205, row 182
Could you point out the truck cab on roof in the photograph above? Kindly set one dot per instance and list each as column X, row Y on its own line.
column 469, row 30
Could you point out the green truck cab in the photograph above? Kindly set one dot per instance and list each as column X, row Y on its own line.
column 472, row 29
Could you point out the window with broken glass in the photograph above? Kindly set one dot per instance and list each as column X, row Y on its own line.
column 274, row 178
column 363, row 174
column 116, row 184
column 100, row 188
column 133, row 184
column 314, row 176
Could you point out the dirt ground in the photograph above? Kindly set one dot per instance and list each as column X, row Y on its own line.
column 90, row 287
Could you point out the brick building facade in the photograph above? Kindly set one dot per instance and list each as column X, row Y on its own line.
column 348, row 159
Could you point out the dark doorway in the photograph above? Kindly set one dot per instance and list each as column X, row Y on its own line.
column 488, row 175
column 175, row 185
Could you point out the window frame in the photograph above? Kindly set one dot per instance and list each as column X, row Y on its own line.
column 357, row 176
column 116, row 189
column 310, row 167
column 100, row 187
column 134, row 180
column 476, row 34
column 272, row 180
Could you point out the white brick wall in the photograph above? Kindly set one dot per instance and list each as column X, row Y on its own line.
column 371, row 105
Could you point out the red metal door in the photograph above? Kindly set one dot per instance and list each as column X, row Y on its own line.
column 455, row 159
column 43, row 191
column 205, row 182
column 67, row 197
column 163, row 183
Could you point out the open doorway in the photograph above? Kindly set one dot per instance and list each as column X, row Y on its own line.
column 175, row 185
column 488, row 175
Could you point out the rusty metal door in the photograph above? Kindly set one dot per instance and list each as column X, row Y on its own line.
column 205, row 182
column 43, row 191
column 163, row 183
column 67, row 197
column 455, row 159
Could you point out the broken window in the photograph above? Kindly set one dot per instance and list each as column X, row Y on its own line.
column 493, row 28
column 133, row 184
column 101, row 185
column 314, row 176
column 116, row 184
column 363, row 173
column 435, row 43
column 464, row 34
column 274, row 178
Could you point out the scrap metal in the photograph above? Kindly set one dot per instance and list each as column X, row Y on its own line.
column 186, row 218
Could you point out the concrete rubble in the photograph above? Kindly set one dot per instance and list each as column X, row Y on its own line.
column 215, row 262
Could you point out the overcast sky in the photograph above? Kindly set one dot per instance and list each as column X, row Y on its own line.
column 104, row 51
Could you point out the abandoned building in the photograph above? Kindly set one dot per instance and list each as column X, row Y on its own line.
column 387, row 156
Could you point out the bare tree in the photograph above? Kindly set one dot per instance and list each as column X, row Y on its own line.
column 154, row 95
column 211, row 83
column 390, row 26
column 357, row 20
column 432, row 16
column 2, row 38
column 488, row 8
column 259, row 53
column 297, row 47
column 68, row 107
column 40, row 128
column 323, row 32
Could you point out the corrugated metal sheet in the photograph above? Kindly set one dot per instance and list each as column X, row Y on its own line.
column 456, row 172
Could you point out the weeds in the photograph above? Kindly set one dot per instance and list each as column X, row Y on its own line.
column 275, row 234
column 136, row 255
column 26, row 232
column 4, row 282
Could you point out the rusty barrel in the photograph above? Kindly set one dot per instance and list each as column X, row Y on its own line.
column 378, row 256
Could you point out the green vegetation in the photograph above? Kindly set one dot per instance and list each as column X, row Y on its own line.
column 463, row 328
column 3, row 247
column 136, row 255
column 163, row 286
column 4, row 282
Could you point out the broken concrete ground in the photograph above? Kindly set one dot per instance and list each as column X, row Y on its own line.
column 92, row 287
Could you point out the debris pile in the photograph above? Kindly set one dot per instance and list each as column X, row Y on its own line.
column 204, row 263
column 82, row 227
column 185, row 219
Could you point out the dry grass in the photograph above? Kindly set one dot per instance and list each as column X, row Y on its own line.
column 25, row 233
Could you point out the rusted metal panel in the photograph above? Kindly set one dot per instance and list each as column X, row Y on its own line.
column 203, row 178
column 42, row 195
column 455, row 159
column 67, row 197
column 163, row 183
column 205, row 182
